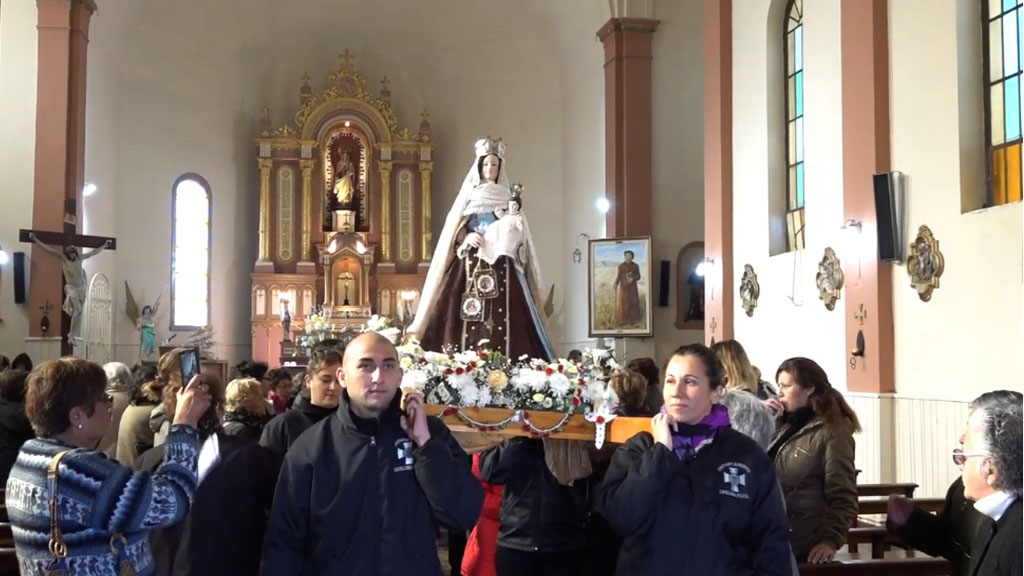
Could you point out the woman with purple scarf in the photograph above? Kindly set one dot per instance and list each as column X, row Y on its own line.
column 696, row 496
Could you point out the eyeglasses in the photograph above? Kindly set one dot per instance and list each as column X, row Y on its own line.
column 960, row 457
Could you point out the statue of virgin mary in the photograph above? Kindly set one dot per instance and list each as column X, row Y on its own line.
column 474, row 291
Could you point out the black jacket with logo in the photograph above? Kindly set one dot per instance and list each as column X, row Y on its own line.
column 360, row 500
column 537, row 513
column 719, row 513
column 284, row 429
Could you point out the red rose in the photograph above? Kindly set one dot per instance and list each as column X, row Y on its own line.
column 481, row 353
column 582, row 381
column 600, row 419
column 549, row 371
column 471, row 365
column 423, row 360
column 526, row 427
column 561, row 368
column 579, row 391
column 459, row 370
column 448, row 371
column 575, row 401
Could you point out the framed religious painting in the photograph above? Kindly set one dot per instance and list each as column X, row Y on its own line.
column 619, row 286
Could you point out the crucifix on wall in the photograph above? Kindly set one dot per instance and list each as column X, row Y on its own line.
column 68, row 247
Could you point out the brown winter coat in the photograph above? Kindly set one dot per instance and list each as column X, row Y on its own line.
column 819, row 481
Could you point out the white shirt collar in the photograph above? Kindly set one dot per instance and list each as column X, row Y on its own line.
column 994, row 505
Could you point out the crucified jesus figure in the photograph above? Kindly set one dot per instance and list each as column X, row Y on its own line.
column 75, row 281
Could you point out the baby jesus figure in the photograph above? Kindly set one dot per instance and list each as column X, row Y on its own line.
column 504, row 236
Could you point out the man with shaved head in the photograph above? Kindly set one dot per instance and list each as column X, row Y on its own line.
column 362, row 491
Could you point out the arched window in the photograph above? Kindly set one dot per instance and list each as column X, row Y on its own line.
column 1001, row 48
column 793, row 47
column 190, row 253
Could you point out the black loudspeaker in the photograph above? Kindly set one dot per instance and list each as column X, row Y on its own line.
column 666, row 267
column 20, row 278
column 888, row 215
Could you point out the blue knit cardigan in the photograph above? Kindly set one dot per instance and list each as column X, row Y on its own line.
column 97, row 497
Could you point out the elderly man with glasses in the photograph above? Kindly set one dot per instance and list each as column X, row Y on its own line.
column 979, row 529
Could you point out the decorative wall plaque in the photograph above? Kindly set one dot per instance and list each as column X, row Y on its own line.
column 925, row 263
column 749, row 289
column 829, row 279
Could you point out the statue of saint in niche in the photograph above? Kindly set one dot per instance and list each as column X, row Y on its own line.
column 344, row 182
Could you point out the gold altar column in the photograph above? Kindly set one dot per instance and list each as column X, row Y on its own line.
column 307, row 206
column 265, row 166
column 425, row 170
column 385, row 211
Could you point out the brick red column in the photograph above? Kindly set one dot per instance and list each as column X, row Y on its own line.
column 718, row 284
column 866, row 151
column 628, row 44
column 60, row 144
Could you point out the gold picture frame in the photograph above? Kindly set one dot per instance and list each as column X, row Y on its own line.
column 620, row 292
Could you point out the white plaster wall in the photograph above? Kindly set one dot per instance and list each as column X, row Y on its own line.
column 780, row 328
column 102, row 117
column 975, row 315
column 18, row 68
column 678, row 195
column 583, row 153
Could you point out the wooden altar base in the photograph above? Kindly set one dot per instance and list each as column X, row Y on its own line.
column 495, row 428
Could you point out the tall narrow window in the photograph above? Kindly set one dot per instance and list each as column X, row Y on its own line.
column 190, row 253
column 1001, row 44
column 793, row 46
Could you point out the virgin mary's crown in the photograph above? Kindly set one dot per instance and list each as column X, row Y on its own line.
column 488, row 146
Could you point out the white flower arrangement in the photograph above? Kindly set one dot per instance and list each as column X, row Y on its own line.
column 382, row 325
column 486, row 378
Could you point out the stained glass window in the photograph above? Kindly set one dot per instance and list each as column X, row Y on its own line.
column 1001, row 43
column 793, row 46
column 190, row 254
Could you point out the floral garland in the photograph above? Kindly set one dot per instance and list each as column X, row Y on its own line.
column 486, row 378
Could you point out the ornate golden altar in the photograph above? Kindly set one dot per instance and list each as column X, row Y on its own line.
column 344, row 210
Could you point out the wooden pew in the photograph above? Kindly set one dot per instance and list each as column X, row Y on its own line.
column 878, row 537
column 925, row 566
column 868, row 506
column 905, row 489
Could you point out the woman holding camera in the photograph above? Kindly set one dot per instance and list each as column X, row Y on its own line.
column 105, row 510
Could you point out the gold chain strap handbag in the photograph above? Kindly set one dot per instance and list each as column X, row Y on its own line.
column 59, row 549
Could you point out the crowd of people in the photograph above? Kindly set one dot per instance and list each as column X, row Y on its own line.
column 111, row 470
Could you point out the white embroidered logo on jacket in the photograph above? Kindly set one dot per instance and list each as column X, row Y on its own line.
column 735, row 479
column 403, row 455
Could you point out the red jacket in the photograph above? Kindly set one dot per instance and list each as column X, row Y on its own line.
column 483, row 540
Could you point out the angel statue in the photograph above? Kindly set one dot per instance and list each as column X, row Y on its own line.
column 343, row 186
column 484, row 284
column 145, row 322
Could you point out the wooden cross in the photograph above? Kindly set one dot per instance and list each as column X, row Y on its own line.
column 385, row 84
column 714, row 324
column 346, row 58
column 860, row 314
column 305, row 78
column 79, row 240
column 75, row 283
